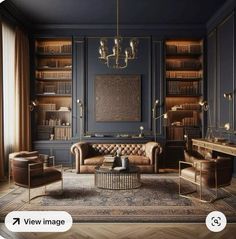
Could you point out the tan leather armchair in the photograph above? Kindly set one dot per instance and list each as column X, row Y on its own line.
column 210, row 173
column 89, row 155
column 29, row 172
column 44, row 158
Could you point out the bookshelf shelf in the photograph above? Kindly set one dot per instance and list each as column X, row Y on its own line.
column 54, row 68
column 69, row 55
column 184, row 89
column 53, row 83
column 54, row 95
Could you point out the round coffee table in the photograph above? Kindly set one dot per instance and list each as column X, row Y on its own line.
column 111, row 179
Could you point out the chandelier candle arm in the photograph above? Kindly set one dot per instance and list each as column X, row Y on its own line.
column 118, row 59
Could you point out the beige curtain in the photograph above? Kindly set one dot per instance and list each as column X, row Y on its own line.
column 1, row 111
column 22, row 87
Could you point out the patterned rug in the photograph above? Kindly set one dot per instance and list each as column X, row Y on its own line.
column 157, row 200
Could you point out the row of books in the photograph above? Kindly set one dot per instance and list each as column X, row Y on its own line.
column 179, row 64
column 43, row 133
column 191, row 106
column 187, row 88
column 53, row 75
column 184, row 74
column 184, row 48
column 62, row 132
column 190, row 121
column 50, row 63
column 175, row 133
column 54, row 49
column 55, row 87
column 46, row 106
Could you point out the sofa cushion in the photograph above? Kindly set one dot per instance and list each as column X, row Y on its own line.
column 97, row 160
column 138, row 160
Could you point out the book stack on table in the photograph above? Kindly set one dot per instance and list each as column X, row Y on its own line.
column 108, row 162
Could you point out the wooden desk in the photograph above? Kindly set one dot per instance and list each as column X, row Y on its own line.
column 218, row 147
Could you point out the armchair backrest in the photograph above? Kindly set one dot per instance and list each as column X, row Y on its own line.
column 222, row 166
column 20, row 167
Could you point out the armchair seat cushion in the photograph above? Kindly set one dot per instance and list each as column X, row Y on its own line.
column 49, row 175
column 208, row 178
column 188, row 173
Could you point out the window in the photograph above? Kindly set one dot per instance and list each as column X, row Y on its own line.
column 8, row 41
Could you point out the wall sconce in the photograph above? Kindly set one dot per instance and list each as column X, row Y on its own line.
column 154, row 109
column 227, row 126
column 205, row 107
column 141, row 131
column 81, row 107
column 33, row 104
column 229, row 97
column 165, row 116
column 154, row 116
column 79, row 102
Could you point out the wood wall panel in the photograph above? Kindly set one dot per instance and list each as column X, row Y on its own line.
column 211, row 84
column 225, row 68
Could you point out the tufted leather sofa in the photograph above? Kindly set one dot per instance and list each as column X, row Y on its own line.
column 89, row 155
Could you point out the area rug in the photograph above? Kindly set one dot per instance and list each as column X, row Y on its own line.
column 157, row 200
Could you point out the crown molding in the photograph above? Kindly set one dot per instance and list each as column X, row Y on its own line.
column 124, row 26
column 14, row 15
column 221, row 14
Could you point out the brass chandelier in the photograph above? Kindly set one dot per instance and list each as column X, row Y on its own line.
column 118, row 59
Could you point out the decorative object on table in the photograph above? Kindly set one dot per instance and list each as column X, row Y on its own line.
column 51, row 136
column 121, row 163
column 141, row 134
column 117, row 59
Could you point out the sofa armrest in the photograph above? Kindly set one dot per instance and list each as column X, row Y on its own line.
column 80, row 150
column 153, row 150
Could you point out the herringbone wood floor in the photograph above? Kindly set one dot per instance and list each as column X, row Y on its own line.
column 128, row 231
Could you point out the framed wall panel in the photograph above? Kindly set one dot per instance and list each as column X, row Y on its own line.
column 117, row 98
column 225, row 69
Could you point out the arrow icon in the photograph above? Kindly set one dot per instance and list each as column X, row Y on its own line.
column 17, row 220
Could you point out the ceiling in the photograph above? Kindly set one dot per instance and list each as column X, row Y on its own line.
column 104, row 11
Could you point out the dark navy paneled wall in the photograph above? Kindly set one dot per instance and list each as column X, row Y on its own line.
column 222, row 71
column 140, row 66
column 221, row 74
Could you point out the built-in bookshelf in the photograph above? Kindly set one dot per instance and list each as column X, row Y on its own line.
column 184, row 79
column 53, row 84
